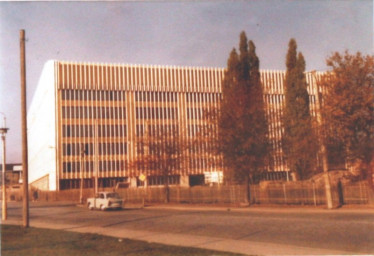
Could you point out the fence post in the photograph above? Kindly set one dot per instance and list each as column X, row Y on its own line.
column 231, row 193
column 143, row 197
column 190, row 195
column 178, row 194
column 361, row 194
column 254, row 194
column 314, row 194
column 285, row 193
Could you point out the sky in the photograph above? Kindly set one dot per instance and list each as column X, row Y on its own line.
column 183, row 33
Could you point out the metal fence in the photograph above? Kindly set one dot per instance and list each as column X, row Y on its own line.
column 357, row 193
column 287, row 193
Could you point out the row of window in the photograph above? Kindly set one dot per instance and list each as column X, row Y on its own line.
column 151, row 96
column 156, row 113
column 200, row 162
column 197, row 162
column 202, row 97
column 160, row 180
column 80, row 131
column 75, row 149
column 84, row 112
column 280, row 98
column 119, row 165
column 92, row 95
column 112, row 182
column 90, row 183
column 88, row 131
column 153, row 130
column 197, row 113
column 88, row 112
column 194, row 130
column 156, row 148
column 76, row 167
column 148, row 96
column 156, row 96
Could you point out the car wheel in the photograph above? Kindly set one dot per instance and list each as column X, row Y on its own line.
column 90, row 207
column 102, row 207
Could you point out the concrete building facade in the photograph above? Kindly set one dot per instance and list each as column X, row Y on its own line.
column 85, row 120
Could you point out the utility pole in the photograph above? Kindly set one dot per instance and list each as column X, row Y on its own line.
column 321, row 132
column 3, row 131
column 25, row 212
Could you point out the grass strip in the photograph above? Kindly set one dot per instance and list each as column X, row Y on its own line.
column 19, row 241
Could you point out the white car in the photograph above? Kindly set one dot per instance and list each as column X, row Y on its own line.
column 104, row 201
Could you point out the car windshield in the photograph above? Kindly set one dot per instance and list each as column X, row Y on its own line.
column 113, row 195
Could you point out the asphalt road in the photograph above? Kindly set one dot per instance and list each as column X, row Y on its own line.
column 252, row 231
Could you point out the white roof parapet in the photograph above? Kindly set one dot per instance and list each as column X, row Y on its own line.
column 156, row 77
column 129, row 64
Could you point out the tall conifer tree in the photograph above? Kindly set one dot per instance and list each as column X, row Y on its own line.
column 242, row 122
column 299, row 142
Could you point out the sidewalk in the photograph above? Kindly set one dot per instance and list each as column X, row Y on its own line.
column 211, row 207
column 198, row 207
column 203, row 242
column 264, row 208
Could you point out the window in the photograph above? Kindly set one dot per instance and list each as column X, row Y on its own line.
column 66, row 167
column 91, row 95
column 160, row 180
column 66, row 131
column 156, row 113
column 156, row 96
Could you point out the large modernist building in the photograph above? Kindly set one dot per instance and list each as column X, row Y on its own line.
column 86, row 119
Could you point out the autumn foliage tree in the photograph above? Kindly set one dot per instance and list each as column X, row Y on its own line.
column 161, row 151
column 348, row 108
column 242, row 124
column 299, row 140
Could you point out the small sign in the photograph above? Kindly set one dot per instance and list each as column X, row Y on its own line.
column 17, row 168
column 142, row 177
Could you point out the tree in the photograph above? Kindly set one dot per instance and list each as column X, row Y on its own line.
column 242, row 124
column 161, row 152
column 299, row 143
column 348, row 108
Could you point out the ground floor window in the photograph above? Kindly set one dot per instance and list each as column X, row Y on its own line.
column 196, row 180
column 160, row 180
column 90, row 183
column 282, row 175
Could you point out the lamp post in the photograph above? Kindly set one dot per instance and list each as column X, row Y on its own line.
column 325, row 163
column 3, row 131
column 96, row 166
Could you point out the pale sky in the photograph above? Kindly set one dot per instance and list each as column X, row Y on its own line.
column 185, row 33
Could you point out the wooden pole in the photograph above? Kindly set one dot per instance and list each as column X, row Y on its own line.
column 3, row 183
column 3, row 131
column 25, row 212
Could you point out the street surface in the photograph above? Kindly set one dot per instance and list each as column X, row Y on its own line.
column 254, row 230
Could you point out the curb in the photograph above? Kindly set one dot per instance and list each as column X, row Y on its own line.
column 260, row 209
